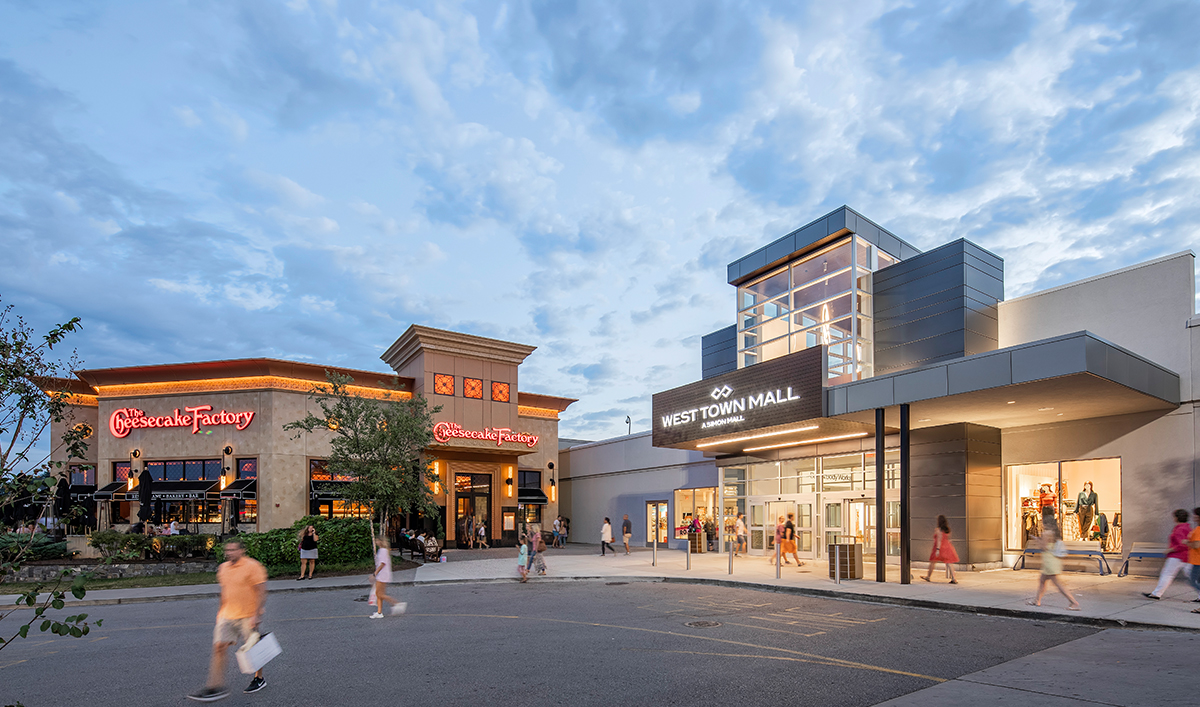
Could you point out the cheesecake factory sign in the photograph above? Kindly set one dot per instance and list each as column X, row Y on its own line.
column 783, row 390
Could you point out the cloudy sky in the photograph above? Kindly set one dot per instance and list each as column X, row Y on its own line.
column 303, row 180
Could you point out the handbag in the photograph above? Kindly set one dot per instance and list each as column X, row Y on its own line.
column 541, row 546
column 252, row 659
column 1059, row 549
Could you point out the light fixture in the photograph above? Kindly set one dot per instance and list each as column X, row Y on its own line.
column 1044, row 409
column 437, row 477
column 1012, row 402
column 228, row 451
column 807, row 441
column 924, row 419
column 553, row 491
column 768, row 434
column 135, row 454
column 1059, row 415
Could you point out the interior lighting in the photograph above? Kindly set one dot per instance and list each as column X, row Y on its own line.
column 807, row 441
column 924, row 419
column 508, row 483
column 1012, row 402
column 766, row 434
column 1044, row 409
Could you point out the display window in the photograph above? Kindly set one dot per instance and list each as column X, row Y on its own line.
column 1081, row 498
column 247, row 468
column 247, row 511
column 82, row 475
column 695, row 508
column 657, row 518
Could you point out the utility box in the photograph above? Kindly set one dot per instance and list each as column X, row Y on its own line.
column 848, row 558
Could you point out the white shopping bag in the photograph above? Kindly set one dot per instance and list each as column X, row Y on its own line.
column 252, row 659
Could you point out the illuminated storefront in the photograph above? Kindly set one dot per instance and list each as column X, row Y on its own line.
column 209, row 437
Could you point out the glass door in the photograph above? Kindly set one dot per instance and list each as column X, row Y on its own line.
column 472, row 506
column 777, row 512
column 656, row 517
column 758, row 529
column 860, row 524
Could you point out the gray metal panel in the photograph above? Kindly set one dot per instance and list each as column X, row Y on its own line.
column 983, row 266
column 981, row 323
column 869, row 394
column 918, row 353
column 781, row 248
column 725, row 336
column 1048, row 360
column 1164, row 384
column 837, row 401
column 921, row 385
column 924, row 328
column 935, row 307
column 979, row 280
column 890, row 244
column 811, row 233
column 907, row 251
column 835, row 221
column 851, row 220
column 949, row 250
column 903, row 309
column 976, row 343
column 984, row 255
column 754, row 261
column 1096, row 356
column 980, row 373
column 734, row 271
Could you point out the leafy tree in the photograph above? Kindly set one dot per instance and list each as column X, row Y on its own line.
column 30, row 401
column 377, row 444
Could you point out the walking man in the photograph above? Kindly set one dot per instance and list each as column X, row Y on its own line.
column 741, row 533
column 1177, row 556
column 243, row 583
column 789, row 540
column 626, row 532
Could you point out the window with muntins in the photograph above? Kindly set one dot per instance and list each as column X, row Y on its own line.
column 443, row 384
column 473, row 388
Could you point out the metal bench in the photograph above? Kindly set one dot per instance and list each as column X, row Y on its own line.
column 1074, row 549
column 1142, row 551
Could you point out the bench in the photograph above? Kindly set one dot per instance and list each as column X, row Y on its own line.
column 1074, row 549
column 1142, row 551
column 411, row 546
column 433, row 552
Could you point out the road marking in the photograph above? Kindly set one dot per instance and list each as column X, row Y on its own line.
column 832, row 663
column 9, row 665
column 776, row 630
column 102, row 638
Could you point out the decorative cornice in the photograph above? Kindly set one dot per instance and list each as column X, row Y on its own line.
column 417, row 339
column 245, row 383
column 544, row 413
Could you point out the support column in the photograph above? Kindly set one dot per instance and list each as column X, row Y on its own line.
column 905, row 500
column 880, row 515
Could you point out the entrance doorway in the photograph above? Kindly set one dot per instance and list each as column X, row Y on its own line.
column 656, row 516
column 473, row 507
column 851, row 521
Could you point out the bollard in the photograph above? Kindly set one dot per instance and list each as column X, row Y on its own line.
column 730, row 554
column 837, row 564
column 655, row 560
column 688, row 550
column 778, row 566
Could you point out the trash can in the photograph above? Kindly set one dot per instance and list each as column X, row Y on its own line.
column 850, row 557
column 696, row 540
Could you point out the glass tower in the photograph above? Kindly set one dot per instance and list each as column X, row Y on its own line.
column 820, row 298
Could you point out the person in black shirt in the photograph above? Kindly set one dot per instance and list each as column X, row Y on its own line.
column 626, row 532
column 789, row 540
column 308, row 551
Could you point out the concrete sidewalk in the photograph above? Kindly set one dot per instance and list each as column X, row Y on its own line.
column 1106, row 601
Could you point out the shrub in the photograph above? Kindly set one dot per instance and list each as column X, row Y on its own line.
column 343, row 540
column 110, row 543
column 42, row 547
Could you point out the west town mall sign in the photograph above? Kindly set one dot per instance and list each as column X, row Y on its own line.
column 776, row 392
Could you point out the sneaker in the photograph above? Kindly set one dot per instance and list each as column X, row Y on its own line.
column 209, row 694
column 255, row 685
column 399, row 608
column 1148, row 595
column 377, row 615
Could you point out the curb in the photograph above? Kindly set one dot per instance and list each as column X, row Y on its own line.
column 1091, row 621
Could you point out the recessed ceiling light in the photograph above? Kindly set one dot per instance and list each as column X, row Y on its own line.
column 924, row 419
column 1012, row 402
column 807, row 441
column 1044, row 409
column 1059, row 414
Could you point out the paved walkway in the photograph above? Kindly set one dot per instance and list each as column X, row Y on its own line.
column 1106, row 600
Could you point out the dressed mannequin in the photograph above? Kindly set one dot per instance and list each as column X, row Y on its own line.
column 1085, row 509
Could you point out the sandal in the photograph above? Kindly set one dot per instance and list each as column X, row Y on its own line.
column 925, row 578
column 1073, row 608
column 1031, row 602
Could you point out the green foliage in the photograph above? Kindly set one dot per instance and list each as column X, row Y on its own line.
column 39, row 547
column 343, row 540
column 121, row 546
column 377, row 444
column 110, row 543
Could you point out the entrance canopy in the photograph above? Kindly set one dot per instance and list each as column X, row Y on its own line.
column 184, row 490
column 328, row 490
column 532, row 497
column 243, row 489
column 1070, row 377
column 113, row 491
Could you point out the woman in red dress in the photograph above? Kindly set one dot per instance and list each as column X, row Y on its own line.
column 943, row 551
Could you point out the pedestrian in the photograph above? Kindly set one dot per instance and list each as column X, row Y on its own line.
column 789, row 540
column 1177, row 556
column 557, row 528
column 606, row 538
column 483, row 535
column 308, row 550
column 523, row 559
column 626, row 532
column 535, row 534
column 243, row 582
column 1053, row 550
column 943, row 551
column 381, row 577
column 1194, row 557
column 778, row 539
column 740, row 532
column 539, row 560
column 470, row 532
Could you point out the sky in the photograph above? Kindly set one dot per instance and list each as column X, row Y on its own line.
column 305, row 179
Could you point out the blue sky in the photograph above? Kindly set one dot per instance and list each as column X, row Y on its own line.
column 305, row 179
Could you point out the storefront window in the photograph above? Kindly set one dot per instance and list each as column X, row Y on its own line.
column 842, row 473
column 799, row 475
column 120, row 471
column 1081, row 498
column 247, row 468
column 695, row 504
column 82, row 475
column 208, row 511
column 764, row 479
column 733, row 500
column 349, row 509
column 247, row 511
column 318, row 470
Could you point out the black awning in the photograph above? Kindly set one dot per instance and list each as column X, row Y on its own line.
column 184, row 490
column 532, row 497
column 242, row 488
column 82, row 491
column 112, row 492
column 329, row 490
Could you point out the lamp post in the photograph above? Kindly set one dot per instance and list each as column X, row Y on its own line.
column 629, row 422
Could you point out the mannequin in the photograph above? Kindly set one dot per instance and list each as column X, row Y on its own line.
column 1085, row 509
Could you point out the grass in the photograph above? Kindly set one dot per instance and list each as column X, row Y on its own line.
column 179, row 580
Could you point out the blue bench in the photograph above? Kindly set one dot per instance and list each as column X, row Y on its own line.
column 1142, row 551
column 1074, row 549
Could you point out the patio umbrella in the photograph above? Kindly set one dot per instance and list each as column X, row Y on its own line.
column 145, row 487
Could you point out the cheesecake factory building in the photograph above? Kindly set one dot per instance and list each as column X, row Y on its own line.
column 211, row 436
column 867, row 387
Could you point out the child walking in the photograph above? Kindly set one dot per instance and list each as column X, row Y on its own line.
column 383, row 575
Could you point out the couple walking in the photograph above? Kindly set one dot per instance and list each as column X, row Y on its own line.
column 606, row 535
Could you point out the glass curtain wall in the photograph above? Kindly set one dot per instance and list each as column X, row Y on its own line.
column 823, row 298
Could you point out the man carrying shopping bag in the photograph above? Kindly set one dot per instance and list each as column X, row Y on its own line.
column 243, row 583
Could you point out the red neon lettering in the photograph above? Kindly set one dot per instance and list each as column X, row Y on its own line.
column 124, row 420
column 445, row 431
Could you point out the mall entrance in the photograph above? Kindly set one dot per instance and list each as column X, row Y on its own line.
column 472, row 507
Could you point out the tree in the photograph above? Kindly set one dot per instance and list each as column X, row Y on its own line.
column 33, row 396
column 376, row 443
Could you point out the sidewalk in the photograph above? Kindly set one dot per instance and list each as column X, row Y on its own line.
column 1106, row 601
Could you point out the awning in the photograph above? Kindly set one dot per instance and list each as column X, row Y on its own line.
column 329, row 490
column 241, row 489
column 183, row 490
column 112, row 492
column 82, row 491
column 532, row 497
